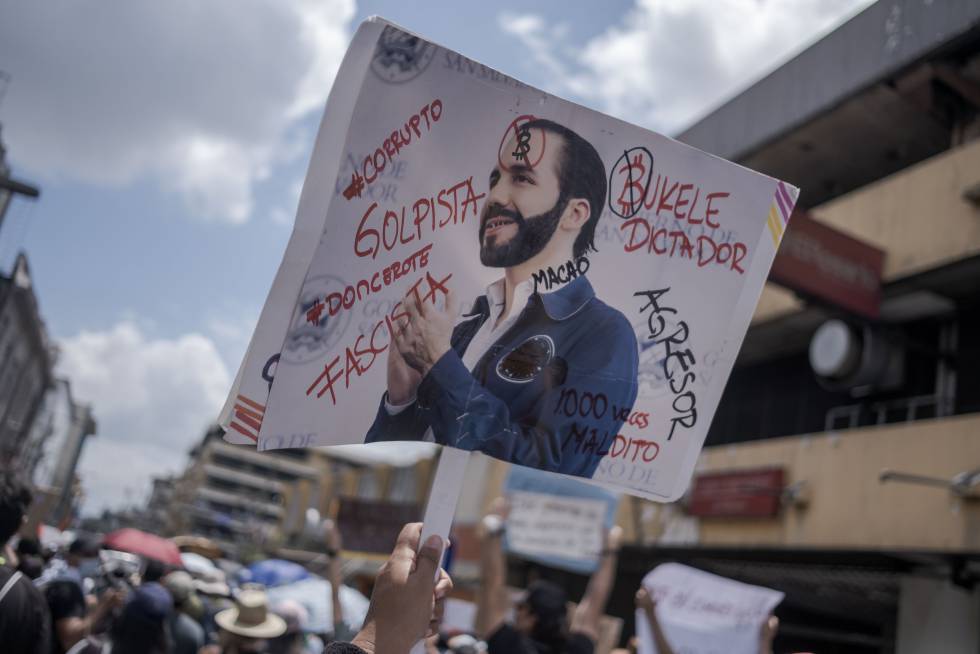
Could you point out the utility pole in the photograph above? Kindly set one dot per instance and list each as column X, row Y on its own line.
column 10, row 187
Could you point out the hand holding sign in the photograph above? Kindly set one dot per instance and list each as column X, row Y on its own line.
column 399, row 615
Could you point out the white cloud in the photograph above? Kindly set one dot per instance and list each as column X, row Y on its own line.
column 198, row 96
column 152, row 400
column 668, row 62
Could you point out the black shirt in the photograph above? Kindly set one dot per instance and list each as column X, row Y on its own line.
column 25, row 626
column 507, row 640
column 65, row 600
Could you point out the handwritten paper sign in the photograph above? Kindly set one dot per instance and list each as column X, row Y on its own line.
column 459, row 616
column 481, row 264
column 557, row 521
column 702, row 613
column 541, row 524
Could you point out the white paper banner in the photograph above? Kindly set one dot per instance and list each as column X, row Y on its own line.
column 702, row 613
column 540, row 524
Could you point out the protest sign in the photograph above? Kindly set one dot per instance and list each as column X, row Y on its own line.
column 459, row 616
column 702, row 613
column 557, row 521
column 603, row 277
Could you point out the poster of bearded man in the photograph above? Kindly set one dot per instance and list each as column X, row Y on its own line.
column 482, row 265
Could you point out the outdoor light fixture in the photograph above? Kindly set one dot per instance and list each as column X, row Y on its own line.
column 857, row 359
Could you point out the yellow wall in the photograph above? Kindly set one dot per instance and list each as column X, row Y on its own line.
column 917, row 216
column 849, row 507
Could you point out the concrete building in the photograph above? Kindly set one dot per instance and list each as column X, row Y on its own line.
column 239, row 497
column 52, row 451
column 25, row 361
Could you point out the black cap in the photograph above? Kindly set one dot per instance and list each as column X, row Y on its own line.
column 546, row 600
column 85, row 546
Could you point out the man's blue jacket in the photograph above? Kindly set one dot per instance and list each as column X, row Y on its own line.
column 551, row 393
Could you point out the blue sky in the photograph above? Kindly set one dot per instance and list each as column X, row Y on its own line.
column 170, row 141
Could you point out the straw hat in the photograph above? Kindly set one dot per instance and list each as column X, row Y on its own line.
column 250, row 617
column 212, row 582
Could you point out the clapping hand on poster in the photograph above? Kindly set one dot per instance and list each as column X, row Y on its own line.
column 408, row 600
column 421, row 338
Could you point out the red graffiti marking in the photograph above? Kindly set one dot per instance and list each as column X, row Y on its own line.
column 361, row 355
column 356, row 186
column 379, row 231
column 530, row 145
column 391, row 147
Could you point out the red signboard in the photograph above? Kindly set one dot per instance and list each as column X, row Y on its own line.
column 740, row 494
column 820, row 261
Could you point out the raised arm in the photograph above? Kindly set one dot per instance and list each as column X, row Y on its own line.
column 585, row 619
column 646, row 603
column 493, row 604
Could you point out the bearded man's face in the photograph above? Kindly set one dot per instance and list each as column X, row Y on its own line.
column 524, row 205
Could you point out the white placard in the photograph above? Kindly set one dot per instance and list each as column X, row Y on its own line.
column 458, row 615
column 702, row 613
column 540, row 524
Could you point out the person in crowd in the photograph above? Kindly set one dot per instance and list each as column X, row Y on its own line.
column 408, row 598
column 154, row 570
column 540, row 617
column 75, row 614
column 185, row 627
column 295, row 640
column 24, row 623
column 140, row 628
column 215, row 594
column 249, row 625
column 30, row 557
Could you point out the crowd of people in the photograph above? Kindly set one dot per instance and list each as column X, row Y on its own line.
column 77, row 602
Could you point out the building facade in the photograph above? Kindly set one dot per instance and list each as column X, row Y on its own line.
column 843, row 463
column 272, row 501
column 25, row 362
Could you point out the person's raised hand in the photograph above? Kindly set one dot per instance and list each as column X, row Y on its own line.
column 404, row 598
column 494, row 520
column 443, row 586
column 614, row 539
column 767, row 634
column 644, row 600
column 332, row 538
